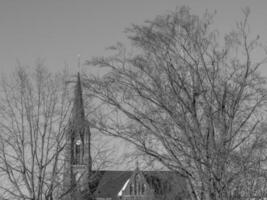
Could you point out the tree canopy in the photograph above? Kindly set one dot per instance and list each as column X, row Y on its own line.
column 188, row 100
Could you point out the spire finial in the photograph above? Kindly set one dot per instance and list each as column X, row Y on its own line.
column 79, row 63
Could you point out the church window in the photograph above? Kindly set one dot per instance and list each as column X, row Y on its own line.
column 77, row 177
column 135, row 187
column 131, row 189
column 78, row 152
column 143, row 188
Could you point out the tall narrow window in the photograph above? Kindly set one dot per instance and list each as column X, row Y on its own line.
column 131, row 189
column 77, row 176
column 143, row 188
column 135, row 188
column 78, row 152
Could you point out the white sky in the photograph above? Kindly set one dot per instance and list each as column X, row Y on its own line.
column 59, row 30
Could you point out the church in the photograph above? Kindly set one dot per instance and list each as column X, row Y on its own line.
column 82, row 182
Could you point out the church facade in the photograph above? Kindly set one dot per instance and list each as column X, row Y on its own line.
column 80, row 181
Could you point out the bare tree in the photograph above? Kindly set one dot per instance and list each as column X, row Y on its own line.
column 187, row 99
column 34, row 110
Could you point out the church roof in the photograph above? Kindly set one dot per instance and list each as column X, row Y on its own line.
column 111, row 182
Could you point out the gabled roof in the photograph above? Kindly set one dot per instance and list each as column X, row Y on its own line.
column 111, row 182
column 162, row 182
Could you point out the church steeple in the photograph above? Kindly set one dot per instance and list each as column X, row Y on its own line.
column 78, row 164
column 81, row 135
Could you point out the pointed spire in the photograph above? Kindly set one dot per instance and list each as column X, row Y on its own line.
column 78, row 109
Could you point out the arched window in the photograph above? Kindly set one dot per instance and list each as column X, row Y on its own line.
column 143, row 188
column 77, row 176
column 131, row 189
column 77, row 154
column 135, row 188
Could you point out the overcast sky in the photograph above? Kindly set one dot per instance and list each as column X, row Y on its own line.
column 59, row 30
